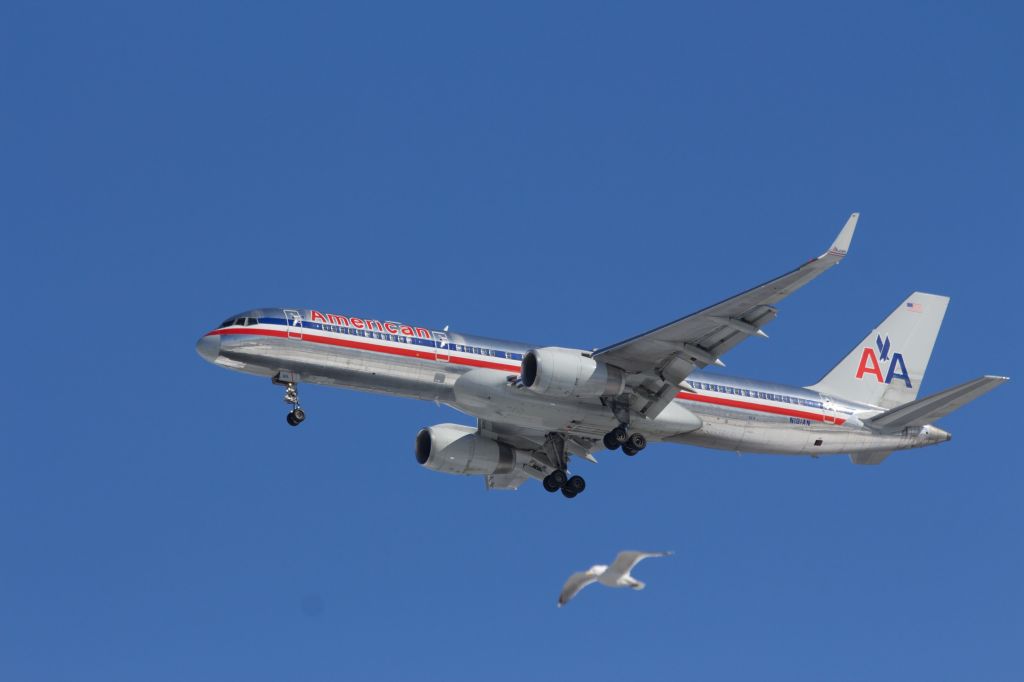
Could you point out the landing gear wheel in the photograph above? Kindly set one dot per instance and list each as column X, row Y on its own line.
column 291, row 397
column 628, row 449
column 575, row 485
column 638, row 441
column 550, row 485
column 619, row 434
column 568, row 493
column 557, row 478
column 610, row 442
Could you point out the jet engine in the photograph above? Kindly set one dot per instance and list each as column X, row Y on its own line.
column 457, row 449
column 568, row 373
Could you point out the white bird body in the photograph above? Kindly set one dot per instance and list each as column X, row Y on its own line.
column 616, row 575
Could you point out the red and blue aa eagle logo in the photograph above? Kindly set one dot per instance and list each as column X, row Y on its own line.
column 872, row 363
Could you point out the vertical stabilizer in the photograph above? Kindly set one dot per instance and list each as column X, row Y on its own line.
column 887, row 367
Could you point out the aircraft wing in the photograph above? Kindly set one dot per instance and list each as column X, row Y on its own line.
column 531, row 441
column 665, row 356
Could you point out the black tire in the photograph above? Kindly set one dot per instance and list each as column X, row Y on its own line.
column 575, row 484
column 291, row 420
column 610, row 442
column 619, row 434
column 550, row 485
column 298, row 415
column 558, row 477
column 568, row 493
column 628, row 449
column 638, row 441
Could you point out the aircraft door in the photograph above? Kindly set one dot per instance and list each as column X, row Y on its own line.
column 442, row 351
column 830, row 410
column 294, row 320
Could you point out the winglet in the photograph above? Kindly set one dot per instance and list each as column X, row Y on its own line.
column 842, row 243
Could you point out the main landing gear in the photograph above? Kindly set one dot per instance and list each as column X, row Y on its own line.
column 559, row 479
column 571, row 486
column 291, row 396
column 631, row 443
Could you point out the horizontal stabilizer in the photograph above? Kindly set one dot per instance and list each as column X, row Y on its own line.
column 927, row 410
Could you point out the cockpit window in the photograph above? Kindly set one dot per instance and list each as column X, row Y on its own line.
column 226, row 323
column 249, row 321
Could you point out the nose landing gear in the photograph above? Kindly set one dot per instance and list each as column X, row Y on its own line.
column 296, row 416
column 291, row 397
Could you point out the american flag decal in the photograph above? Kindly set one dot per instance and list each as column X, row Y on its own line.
column 915, row 307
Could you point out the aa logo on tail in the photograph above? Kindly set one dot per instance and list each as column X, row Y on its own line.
column 871, row 363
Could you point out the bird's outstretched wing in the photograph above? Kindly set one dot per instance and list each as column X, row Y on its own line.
column 625, row 562
column 575, row 583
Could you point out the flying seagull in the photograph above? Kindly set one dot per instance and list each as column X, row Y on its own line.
column 616, row 575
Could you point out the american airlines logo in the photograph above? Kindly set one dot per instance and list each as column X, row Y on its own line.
column 360, row 323
column 871, row 363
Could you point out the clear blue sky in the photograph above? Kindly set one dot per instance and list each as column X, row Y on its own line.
column 565, row 174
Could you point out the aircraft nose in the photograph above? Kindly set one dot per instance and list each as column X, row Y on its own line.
column 208, row 348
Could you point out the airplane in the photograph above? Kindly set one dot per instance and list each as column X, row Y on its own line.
column 537, row 406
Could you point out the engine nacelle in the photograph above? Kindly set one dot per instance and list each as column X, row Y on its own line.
column 457, row 449
column 568, row 373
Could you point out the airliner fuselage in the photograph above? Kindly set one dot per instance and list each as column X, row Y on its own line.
column 537, row 406
column 478, row 376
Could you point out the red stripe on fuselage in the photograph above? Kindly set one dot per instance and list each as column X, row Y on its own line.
column 471, row 362
column 728, row 402
column 360, row 345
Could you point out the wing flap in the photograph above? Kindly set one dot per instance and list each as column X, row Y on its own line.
column 869, row 458
column 505, row 481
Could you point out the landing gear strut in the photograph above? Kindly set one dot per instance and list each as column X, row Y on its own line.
column 291, row 397
column 559, row 479
column 631, row 443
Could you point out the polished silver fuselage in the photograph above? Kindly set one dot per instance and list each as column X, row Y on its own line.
column 476, row 375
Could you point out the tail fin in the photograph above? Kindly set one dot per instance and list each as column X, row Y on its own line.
column 887, row 367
